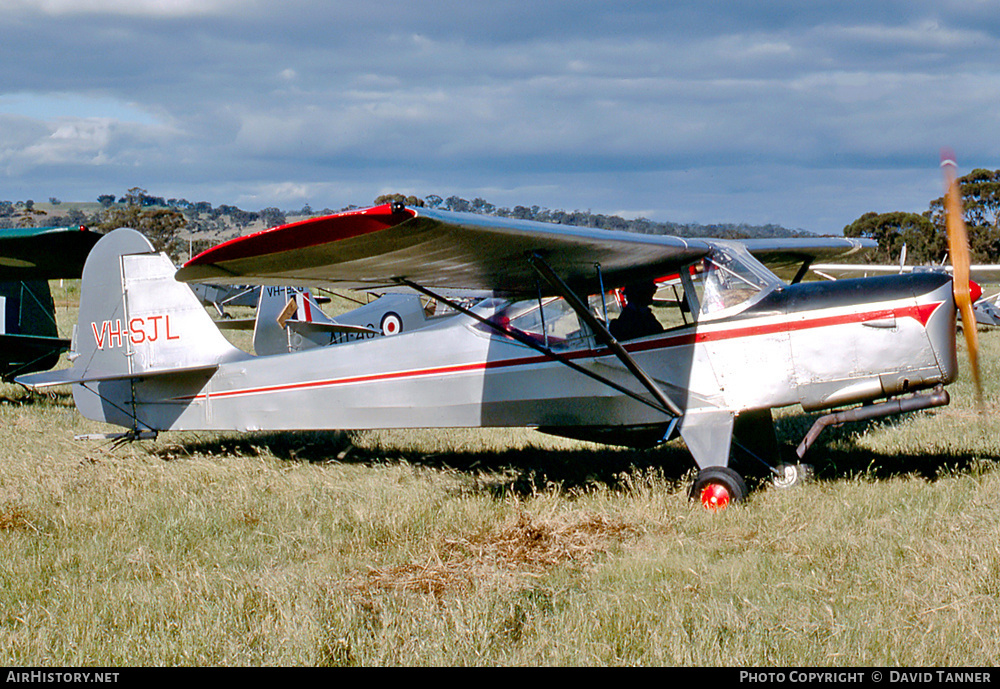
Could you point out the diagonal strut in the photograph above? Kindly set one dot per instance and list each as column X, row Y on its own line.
column 602, row 332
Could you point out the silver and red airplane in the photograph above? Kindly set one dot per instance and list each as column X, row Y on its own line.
column 528, row 342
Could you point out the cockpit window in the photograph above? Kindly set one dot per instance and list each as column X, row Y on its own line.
column 551, row 323
column 727, row 279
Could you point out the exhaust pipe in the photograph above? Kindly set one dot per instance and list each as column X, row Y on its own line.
column 938, row 398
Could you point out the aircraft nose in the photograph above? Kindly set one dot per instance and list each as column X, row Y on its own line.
column 942, row 330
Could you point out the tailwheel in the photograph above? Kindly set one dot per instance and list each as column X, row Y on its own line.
column 788, row 475
column 716, row 487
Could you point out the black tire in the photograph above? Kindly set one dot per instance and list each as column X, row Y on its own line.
column 708, row 482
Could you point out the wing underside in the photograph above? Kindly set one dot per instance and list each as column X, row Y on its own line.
column 386, row 245
column 44, row 253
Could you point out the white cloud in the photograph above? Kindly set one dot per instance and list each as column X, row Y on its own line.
column 673, row 108
column 135, row 8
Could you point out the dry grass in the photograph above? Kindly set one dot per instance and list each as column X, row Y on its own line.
column 205, row 549
column 493, row 548
column 522, row 550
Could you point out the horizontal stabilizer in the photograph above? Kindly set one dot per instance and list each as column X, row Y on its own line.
column 310, row 326
column 236, row 324
column 299, row 326
column 74, row 375
column 136, row 320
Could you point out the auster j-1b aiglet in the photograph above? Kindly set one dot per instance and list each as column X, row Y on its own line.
column 532, row 349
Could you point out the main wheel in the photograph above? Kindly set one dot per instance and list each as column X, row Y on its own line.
column 716, row 487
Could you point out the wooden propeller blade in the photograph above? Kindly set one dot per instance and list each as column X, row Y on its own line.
column 958, row 249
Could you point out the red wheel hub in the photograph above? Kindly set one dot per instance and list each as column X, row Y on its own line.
column 714, row 496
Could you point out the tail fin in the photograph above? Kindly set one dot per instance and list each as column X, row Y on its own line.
column 136, row 319
column 290, row 320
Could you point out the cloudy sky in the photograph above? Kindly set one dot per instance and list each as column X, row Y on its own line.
column 805, row 114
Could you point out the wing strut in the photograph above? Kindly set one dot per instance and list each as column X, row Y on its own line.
column 602, row 332
column 528, row 342
column 803, row 269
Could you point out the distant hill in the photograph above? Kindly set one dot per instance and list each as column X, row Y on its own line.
column 208, row 225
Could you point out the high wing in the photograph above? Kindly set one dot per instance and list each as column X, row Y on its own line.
column 379, row 246
column 44, row 253
column 373, row 247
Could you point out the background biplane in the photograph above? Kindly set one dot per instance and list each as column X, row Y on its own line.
column 533, row 350
column 221, row 296
column 29, row 257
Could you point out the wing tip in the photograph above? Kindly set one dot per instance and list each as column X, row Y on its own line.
column 305, row 233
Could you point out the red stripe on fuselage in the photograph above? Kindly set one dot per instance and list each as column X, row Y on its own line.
column 920, row 313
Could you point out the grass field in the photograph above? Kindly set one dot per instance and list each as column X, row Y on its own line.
column 493, row 547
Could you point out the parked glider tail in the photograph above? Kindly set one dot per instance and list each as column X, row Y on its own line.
column 290, row 320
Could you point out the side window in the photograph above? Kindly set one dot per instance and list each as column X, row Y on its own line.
column 555, row 324
column 552, row 324
column 722, row 282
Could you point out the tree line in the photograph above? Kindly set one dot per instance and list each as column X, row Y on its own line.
column 594, row 220
column 161, row 219
column 924, row 234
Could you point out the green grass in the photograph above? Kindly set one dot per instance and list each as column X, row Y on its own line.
column 488, row 547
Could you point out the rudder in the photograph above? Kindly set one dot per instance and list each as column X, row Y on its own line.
column 135, row 319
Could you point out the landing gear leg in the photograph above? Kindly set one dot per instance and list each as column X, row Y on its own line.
column 755, row 439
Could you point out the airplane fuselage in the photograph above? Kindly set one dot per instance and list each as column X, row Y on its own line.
column 815, row 344
column 739, row 342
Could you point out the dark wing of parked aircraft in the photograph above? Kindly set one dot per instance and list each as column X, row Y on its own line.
column 28, row 257
column 44, row 253
column 377, row 247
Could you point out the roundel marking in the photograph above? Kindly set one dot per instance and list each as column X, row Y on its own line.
column 391, row 324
